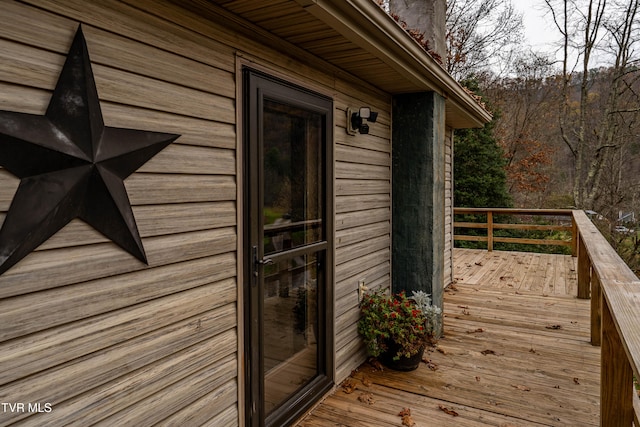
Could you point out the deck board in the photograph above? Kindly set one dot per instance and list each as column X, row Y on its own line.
column 543, row 371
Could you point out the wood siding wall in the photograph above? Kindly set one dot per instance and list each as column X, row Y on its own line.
column 363, row 225
column 85, row 325
column 448, row 208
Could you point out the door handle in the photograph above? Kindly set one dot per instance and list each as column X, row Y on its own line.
column 257, row 262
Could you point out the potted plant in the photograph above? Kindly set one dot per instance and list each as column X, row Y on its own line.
column 397, row 328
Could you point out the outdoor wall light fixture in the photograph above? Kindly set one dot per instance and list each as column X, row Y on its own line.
column 356, row 120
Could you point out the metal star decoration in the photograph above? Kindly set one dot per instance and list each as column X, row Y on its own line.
column 71, row 165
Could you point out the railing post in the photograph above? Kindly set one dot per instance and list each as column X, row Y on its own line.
column 584, row 270
column 490, row 231
column 574, row 237
column 616, row 376
column 596, row 310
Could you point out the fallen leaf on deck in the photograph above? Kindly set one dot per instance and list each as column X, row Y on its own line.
column 375, row 364
column 485, row 352
column 408, row 421
column 430, row 364
column 554, row 327
column 576, row 381
column 521, row 387
column 453, row 287
column 405, row 411
column 463, row 306
column 476, row 331
column 366, row 398
column 349, row 386
column 406, row 417
column 466, row 312
column 532, row 351
column 479, row 263
column 556, row 386
column 441, row 350
column 448, row 411
column 366, row 382
column 478, row 379
column 506, row 277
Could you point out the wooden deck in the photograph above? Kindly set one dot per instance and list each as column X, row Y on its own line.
column 516, row 352
column 522, row 272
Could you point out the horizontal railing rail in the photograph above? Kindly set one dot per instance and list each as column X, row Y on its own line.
column 564, row 215
column 274, row 229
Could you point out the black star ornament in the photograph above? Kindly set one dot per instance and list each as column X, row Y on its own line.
column 71, row 165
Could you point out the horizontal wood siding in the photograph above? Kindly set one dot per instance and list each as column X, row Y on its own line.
column 448, row 207
column 83, row 324
column 363, row 223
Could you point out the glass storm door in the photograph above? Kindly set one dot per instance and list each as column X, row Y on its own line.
column 287, row 251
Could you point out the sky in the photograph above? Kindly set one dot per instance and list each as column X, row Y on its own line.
column 539, row 30
column 541, row 33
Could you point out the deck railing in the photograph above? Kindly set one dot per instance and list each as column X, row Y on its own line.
column 615, row 321
column 563, row 221
column 615, row 303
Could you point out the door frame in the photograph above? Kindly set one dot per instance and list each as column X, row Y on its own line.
column 281, row 89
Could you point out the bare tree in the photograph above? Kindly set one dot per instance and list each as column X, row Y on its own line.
column 598, row 104
column 481, row 34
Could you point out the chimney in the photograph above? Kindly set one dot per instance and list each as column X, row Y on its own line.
column 426, row 16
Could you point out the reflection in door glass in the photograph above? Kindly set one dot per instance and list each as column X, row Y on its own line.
column 292, row 212
column 291, row 327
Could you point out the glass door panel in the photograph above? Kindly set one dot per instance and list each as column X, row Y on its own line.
column 292, row 217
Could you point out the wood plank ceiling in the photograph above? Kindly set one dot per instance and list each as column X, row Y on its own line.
column 288, row 20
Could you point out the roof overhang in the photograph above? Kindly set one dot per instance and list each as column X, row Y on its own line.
column 360, row 38
column 373, row 30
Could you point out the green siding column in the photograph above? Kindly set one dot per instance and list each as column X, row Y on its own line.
column 418, row 193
